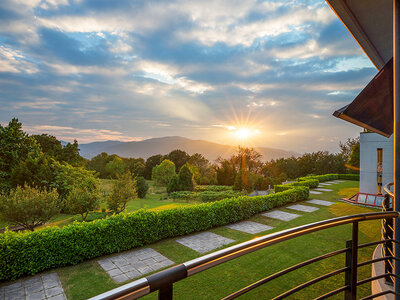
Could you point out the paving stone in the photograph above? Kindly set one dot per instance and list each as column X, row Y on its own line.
column 37, row 280
column 13, row 286
column 120, row 278
column 304, row 208
column 36, row 296
column 320, row 202
column 340, row 181
column 249, row 227
column 134, row 264
column 331, row 182
column 15, row 293
column 57, row 290
column 58, row 297
column 34, row 288
column 324, row 184
column 280, row 215
column 323, row 190
column 204, row 241
column 315, row 192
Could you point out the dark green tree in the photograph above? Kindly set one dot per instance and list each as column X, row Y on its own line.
column 173, row 185
column 185, row 179
column 178, row 157
column 49, row 145
column 151, row 162
column 141, row 187
column 163, row 173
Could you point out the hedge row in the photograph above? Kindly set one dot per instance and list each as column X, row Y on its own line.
column 26, row 253
column 212, row 188
column 311, row 183
column 206, row 196
column 328, row 177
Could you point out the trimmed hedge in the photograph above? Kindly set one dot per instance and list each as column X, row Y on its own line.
column 23, row 253
column 311, row 183
column 355, row 177
column 320, row 178
column 212, row 188
column 206, row 196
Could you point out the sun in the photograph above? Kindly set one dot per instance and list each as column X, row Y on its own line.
column 245, row 133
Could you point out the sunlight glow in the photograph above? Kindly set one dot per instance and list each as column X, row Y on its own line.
column 245, row 133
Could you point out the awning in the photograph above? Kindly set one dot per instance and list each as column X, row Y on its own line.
column 373, row 107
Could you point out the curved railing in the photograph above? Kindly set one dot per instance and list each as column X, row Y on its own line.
column 387, row 233
column 386, row 188
column 163, row 281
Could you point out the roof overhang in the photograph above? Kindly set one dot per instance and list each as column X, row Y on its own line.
column 370, row 23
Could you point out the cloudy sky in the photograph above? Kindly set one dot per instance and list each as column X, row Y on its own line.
column 129, row 70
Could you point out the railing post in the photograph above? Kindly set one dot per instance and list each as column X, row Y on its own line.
column 165, row 293
column 351, row 262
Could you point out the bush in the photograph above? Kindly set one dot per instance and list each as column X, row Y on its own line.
column 123, row 190
column 210, row 196
column 212, row 188
column 29, row 207
column 173, row 185
column 311, row 183
column 141, row 187
column 355, row 177
column 185, row 179
column 33, row 252
column 183, row 195
column 320, row 178
column 163, row 173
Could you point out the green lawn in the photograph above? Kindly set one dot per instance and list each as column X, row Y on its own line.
column 88, row 279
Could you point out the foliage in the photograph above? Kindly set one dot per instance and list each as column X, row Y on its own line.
column 163, row 173
column 151, row 162
column 115, row 167
column 320, row 178
column 29, row 207
column 203, row 171
column 178, row 157
column 346, row 148
column 354, row 159
column 83, row 198
column 185, row 179
column 30, row 253
column 70, row 154
column 212, row 188
column 205, row 196
column 15, row 145
column 123, row 190
column 49, row 145
column 311, row 183
column 173, row 185
column 355, row 177
column 141, row 187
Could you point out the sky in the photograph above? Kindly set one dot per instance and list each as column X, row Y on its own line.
column 96, row 70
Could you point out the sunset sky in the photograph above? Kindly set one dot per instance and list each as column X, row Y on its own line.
column 128, row 70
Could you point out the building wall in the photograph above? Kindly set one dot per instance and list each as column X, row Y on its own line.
column 369, row 143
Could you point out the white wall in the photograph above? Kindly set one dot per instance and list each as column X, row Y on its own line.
column 369, row 143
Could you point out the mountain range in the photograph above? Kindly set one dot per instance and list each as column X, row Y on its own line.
column 164, row 145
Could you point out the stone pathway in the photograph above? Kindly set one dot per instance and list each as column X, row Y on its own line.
column 340, row 181
column 315, row 192
column 39, row 287
column 332, row 182
column 304, row 208
column 324, row 184
column 323, row 190
column 320, row 202
column 134, row 264
column 204, row 242
column 249, row 227
column 280, row 215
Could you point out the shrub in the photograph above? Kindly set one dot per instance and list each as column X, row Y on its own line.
column 311, row 183
column 141, row 187
column 210, row 196
column 173, row 185
column 123, row 190
column 355, row 177
column 183, row 195
column 186, row 179
column 163, row 173
column 213, row 188
column 33, row 252
column 320, row 178
column 83, row 199
column 29, row 207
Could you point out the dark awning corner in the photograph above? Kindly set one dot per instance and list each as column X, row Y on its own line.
column 373, row 107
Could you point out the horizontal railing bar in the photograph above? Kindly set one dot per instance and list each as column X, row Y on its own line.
column 376, row 278
column 364, row 263
column 386, row 188
column 213, row 259
column 375, row 243
column 378, row 294
column 332, row 293
column 283, row 272
column 135, row 289
column 311, row 282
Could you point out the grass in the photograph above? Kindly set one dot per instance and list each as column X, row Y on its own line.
column 88, row 279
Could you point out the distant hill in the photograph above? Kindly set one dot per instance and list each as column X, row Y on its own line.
column 165, row 145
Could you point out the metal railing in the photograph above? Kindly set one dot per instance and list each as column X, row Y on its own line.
column 387, row 234
column 163, row 281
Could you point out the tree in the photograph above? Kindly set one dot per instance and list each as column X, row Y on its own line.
column 354, row 160
column 185, row 179
column 98, row 164
column 203, row 171
column 29, row 207
column 15, row 145
column 178, row 157
column 226, row 171
column 151, row 162
column 173, row 185
column 70, row 154
column 347, row 147
column 122, row 191
column 50, row 145
column 115, row 167
column 141, row 187
column 163, row 173
column 138, row 169
column 83, row 198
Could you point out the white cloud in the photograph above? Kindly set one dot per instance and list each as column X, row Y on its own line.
column 15, row 62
